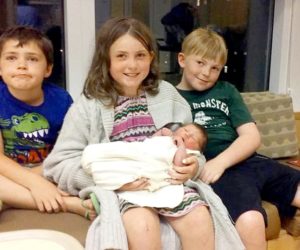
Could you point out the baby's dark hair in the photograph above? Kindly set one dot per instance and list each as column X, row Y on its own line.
column 173, row 126
column 202, row 130
column 26, row 34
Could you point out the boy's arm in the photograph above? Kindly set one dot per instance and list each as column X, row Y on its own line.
column 45, row 194
column 244, row 146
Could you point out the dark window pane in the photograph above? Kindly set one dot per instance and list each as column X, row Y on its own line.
column 245, row 25
column 46, row 16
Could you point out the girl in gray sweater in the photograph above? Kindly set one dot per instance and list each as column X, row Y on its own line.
column 123, row 100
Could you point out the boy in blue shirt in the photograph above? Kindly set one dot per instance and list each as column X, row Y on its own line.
column 31, row 115
column 240, row 176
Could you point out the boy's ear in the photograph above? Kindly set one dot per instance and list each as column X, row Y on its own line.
column 181, row 59
column 48, row 70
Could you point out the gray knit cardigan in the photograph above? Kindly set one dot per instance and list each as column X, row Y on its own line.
column 89, row 121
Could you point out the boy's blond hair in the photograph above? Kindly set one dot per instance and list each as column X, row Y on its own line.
column 207, row 44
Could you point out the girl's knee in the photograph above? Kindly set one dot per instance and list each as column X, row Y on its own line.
column 141, row 220
column 196, row 218
column 202, row 215
column 146, row 226
column 142, row 228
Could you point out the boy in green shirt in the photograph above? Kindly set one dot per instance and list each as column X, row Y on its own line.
column 240, row 176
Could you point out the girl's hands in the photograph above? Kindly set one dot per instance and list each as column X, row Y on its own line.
column 180, row 174
column 139, row 184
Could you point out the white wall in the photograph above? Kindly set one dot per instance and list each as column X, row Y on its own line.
column 295, row 56
column 285, row 61
column 80, row 40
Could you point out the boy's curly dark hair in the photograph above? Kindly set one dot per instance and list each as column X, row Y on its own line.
column 26, row 34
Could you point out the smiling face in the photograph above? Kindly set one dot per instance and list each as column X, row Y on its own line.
column 23, row 68
column 198, row 73
column 129, row 64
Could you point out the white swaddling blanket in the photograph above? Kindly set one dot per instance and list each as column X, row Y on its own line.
column 114, row 164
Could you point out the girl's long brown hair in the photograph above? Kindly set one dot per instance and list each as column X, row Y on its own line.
column 99, row 84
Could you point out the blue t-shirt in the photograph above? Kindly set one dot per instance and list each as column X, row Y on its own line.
column 29, row 132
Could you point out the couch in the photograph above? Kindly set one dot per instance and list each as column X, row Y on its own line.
column 275, row 119
column 274, row 116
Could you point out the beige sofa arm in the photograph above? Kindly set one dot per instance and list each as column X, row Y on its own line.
column 275, row 120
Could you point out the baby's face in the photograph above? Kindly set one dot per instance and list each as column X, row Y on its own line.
column 191, row 136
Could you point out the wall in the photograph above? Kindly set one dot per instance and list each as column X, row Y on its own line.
column 80, row 40
column 294, row 81
column 285, row 73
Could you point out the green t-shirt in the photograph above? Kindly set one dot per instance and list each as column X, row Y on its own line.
column 221, row 110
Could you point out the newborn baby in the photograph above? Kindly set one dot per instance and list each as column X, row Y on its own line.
column 114, row 164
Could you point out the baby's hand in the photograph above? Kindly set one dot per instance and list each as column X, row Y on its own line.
column 180, row 174
column 166, row 132
column 163, row 132
column 139, row 184
column 180, row 154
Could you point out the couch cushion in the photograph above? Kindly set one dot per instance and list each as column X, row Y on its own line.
column 274, row 223
column 292, row 225
column 275, row 120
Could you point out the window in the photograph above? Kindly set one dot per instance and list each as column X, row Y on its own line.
column 246, row 26
column 45, row 15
